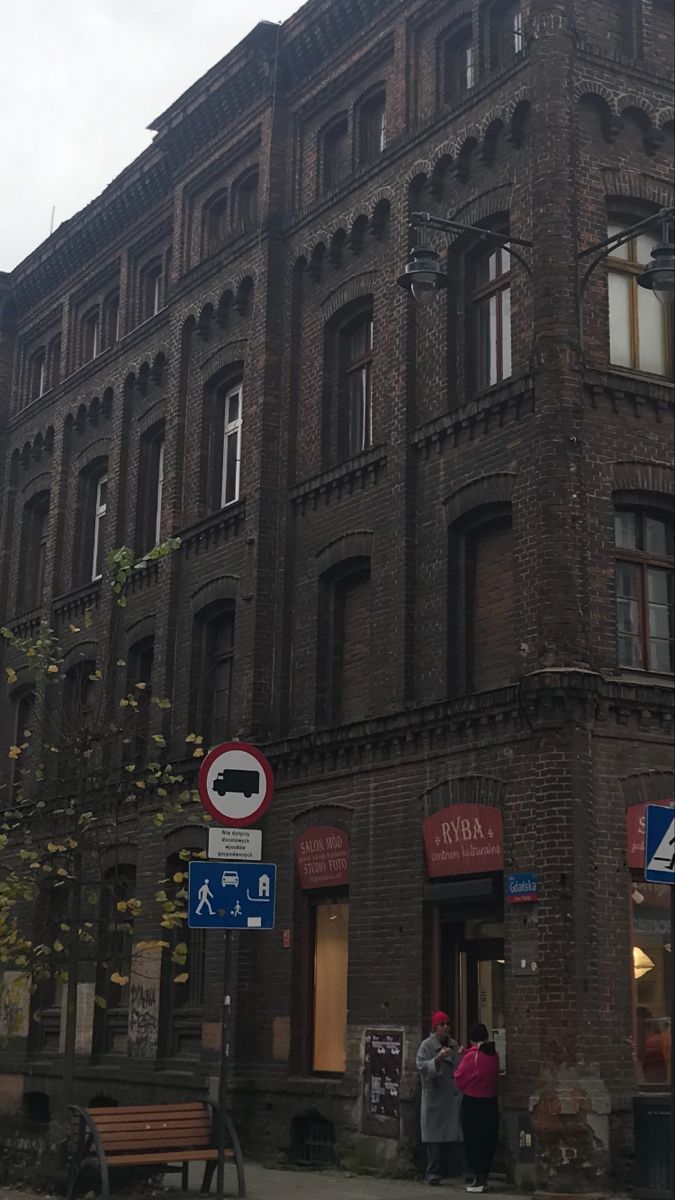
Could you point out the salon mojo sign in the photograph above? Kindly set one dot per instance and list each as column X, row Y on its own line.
column 464, row 839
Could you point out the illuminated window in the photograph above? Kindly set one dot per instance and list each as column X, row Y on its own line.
column 329, row 1008
column 639, row 326
column 652, row 962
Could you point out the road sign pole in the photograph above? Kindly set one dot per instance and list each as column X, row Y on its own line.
column 225, row 1031
column 672, row 1040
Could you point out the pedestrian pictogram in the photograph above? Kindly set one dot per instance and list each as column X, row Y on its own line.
column 231, row 895
column 660, row 844
column 235, row 783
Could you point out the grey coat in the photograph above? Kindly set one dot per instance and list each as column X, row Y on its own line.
column 440, row 1098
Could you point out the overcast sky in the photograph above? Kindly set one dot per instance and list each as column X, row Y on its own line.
column 79, row 82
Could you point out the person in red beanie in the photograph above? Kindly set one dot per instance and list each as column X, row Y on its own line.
column 436, row 1060
column 477, row 1077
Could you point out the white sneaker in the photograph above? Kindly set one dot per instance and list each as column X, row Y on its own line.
column 476, row 1186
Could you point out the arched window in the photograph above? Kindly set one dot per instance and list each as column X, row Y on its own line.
column 33, row 551
column 645, row 591
column 481, row 600
column 344, row 637
column 111, row 1023
column 150, row 492
column 245, row 201
column 37, row 373
column 152, row 289
column 215, row 223
column 140, row 662
column 457, row 65
column 372, row 126
column 336, row 153
column 640, row 328
column 506, row 34
column 111, row 319
column 355, row 417
column 55, row 360
column 490, row 317
column 222, row 441
column 91, row 518
column 180, row 1030
column 99, row 512
column 212, row 671
column 91, row 335
column 23, row 701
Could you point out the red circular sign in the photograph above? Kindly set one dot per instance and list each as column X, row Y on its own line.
column 235, row 783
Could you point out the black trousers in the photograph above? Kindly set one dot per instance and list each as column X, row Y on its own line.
column 480, row 1126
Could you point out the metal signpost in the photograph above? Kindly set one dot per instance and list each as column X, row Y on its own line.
column 660, row 868
column 236, row 891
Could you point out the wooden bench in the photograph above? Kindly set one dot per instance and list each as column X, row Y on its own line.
column 163, row 1135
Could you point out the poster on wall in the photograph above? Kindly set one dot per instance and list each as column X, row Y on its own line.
column 382, row 1070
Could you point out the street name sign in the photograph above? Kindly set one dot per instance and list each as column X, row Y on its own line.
column 235, row 783
column 244, row 845
column 660, row 844
column 231, row 895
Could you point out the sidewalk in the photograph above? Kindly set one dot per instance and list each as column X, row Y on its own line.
column 269, row 1183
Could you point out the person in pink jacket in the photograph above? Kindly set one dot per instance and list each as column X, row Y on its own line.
column 477, row 1077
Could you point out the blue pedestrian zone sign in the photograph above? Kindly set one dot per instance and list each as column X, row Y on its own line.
column 660, row 844
column 231, row 895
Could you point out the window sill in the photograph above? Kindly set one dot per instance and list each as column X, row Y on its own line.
column 217, row 526
column 343, row 477
column 75, row 602
column 646, row 387
column 646, row 678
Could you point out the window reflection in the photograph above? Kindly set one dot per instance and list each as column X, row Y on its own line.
column 653, row 981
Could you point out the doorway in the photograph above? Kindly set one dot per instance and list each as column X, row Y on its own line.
column 472, row 977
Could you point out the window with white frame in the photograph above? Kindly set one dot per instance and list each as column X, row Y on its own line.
column 640, row 329
column 458, row 65
column 159, row 491
column 91, row 335
column 506, row 40
column 492, row 316
column 100, row 508
column 231, row 461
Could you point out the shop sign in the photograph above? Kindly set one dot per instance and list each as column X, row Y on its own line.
column 635, row 823
column 322, row 857
column 464, row 839
column 522, row 887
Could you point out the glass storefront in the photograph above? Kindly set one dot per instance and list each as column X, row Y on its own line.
column 652, row 951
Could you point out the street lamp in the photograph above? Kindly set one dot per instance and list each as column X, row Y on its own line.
column 659, row 275
column 423, row 275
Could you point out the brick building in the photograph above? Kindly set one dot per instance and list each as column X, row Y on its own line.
column 425, row 556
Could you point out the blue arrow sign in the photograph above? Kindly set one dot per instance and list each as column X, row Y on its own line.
column 660, row 844
column 231, row 895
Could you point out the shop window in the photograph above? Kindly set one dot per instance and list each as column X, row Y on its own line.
column 640, row 328
column 150, row 490
column 33, row 551
column 111, row 319
column 355, row 418
column 91, row 335
column 212, row 671
column 506, row 34
column 245, row 202
column 337, row 158
column 645, row 603
column 152, row 284
column 111, row 1024
column 457, row 64
column 330, row 960
column 139, row 685
column 372, row 127
column 491, row 316
column 180, row 1027
column 652, row 965
column 215, row 227
column 37, row 374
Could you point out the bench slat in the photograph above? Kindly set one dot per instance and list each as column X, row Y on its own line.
column 131, row 1160
column 112, row 1110
column 155, row 1141
column 155, row 1123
